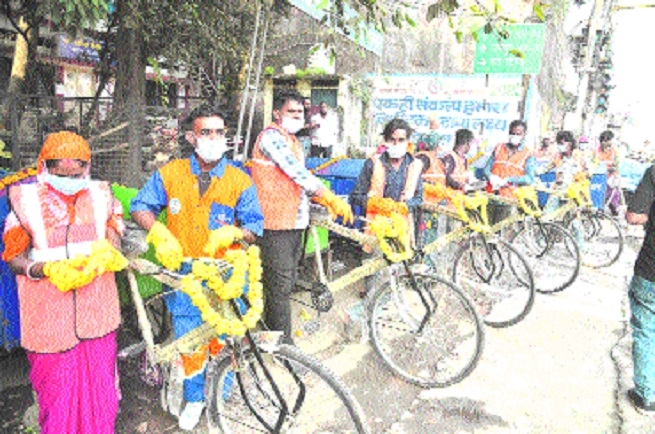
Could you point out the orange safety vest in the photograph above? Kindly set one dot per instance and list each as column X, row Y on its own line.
column 279, row 196
column 435, row 173
column 460, row 174
column 608, row 157
column 189, row 216
column 53, row 321
column 506, row 165
column 379, row 179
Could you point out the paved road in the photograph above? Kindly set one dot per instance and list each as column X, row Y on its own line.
column 565, row 368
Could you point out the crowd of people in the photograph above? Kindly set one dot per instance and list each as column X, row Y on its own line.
column 70, row 336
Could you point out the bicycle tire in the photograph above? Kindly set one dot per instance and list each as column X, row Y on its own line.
column 602, row 242
column 328, row 406
column 159, row 316
column 505, row 295
column 551, row 250
column 421, row 359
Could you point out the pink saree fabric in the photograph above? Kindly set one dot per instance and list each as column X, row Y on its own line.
column 77, row 390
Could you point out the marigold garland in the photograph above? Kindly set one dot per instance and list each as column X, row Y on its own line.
column 74, row 273
column 385, row 206
column 394, row 226
column 221, row 317
column 17, row 177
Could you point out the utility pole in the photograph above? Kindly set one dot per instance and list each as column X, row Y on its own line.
column 586, row 68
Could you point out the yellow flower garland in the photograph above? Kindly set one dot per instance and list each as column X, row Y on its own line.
column 223, row 319
column 393, row 227
column 16, row 177
column 74, row 273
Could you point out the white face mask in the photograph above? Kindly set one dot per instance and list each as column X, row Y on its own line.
column 397, row 151
column 515, row 139
column 562, row 148
column 66, row 185
column 210, row 150
column 292, row 125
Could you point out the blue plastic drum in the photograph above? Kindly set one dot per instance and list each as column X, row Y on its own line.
column 598, row 189
column 547, row 179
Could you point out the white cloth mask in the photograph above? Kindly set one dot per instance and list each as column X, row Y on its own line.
column 292, row 125
column 66, row 185
column 210, row 150
column 515, row 139
column 397, row 151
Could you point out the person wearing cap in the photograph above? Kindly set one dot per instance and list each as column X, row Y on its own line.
column 69, row 334
column 200, row 194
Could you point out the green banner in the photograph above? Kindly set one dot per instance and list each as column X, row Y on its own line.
column 518, row 54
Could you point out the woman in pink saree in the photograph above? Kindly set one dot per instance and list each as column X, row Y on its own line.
column 69, row 335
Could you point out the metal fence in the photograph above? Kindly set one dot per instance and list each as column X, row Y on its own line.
column 31, row 118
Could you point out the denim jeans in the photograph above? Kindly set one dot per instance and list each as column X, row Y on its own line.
column 642, row 319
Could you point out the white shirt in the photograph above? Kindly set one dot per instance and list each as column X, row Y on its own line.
column 328, row 132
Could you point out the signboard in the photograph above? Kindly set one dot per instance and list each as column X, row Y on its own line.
column 484, row 105
column 493, row 54
column 368, row 37
column 82, row 49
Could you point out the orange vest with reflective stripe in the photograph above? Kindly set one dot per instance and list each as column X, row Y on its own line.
column 460, row 173
column 506, row 165
column 53, row 321
column 279, row 196
column 188, row 214
column 435, row 173
column 379, row 179
column 608, row 157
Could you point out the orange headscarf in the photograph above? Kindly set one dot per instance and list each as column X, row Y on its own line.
column 64, row 145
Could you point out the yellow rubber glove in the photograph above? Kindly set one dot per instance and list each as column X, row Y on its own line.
column 335, row 206
column 222, row 238
column 104, row 258
column 167, row 248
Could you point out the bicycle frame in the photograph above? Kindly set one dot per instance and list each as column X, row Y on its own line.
column 367, row 269
column 159, row 354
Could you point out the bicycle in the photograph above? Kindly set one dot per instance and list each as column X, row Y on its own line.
column 256, row 383
column 423, row 327
column 598, row 235
column 490, row 270
column 550, row 249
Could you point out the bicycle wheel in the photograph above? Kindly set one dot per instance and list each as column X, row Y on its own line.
column 552, row 254
column 497, row 278
column 316, row 400
column 445, row 350
column 599, row 238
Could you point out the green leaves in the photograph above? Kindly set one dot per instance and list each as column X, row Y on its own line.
column 539, row 11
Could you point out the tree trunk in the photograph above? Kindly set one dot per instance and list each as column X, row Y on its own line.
column 129, row 93
column 20, row 61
